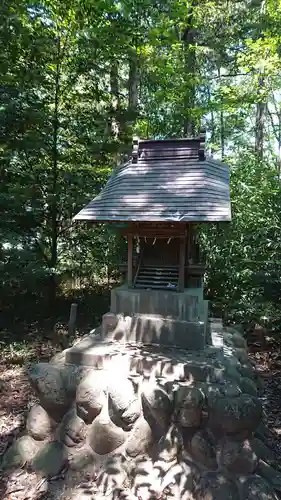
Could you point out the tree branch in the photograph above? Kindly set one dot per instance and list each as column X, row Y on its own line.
column 229, row 75
column 28, row 163
column 64, row 229
column 272, row 124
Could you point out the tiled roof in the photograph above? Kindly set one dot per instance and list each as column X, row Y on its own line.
column 164, row 181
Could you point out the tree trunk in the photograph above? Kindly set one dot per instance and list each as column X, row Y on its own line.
column 132, row 110
column 276, row 129
column 188, row 38
column 54, row 194
column 213, row 128
column 133, row 86
column 115, row 100
column 222, row 134
column 260, row 121
column 221, row 117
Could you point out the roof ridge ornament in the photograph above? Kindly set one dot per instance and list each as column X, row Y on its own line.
column 202, row 140
column 135, row 152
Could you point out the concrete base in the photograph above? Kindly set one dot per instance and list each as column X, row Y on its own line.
column 157, row 317
column 185, row 306
column 153, row 329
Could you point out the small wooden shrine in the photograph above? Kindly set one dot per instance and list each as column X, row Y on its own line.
column 163, row 256
column 159, row 197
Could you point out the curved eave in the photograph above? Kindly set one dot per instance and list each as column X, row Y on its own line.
column 163, row 191
column 83, row 216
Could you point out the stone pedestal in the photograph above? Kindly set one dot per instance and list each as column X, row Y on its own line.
column 184, row 306
column 154, row 329
column 157, row 317
column 149, row 421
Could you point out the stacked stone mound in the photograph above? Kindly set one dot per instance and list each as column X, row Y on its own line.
column 190, row 428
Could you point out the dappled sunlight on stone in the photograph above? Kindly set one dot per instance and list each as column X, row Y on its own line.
column 149, row 421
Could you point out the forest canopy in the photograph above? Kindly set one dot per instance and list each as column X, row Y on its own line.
column 80, row 78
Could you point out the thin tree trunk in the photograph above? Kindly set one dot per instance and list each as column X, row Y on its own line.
column 133, row 85
column 222, row 134
column 212, row 121
column 115, row 100
column 277, row 134
column 133, row 97
column 188, row 38
column 54, row 200
column 222, row 127
column 276, row 129
column 259, row 129
column 260, row 121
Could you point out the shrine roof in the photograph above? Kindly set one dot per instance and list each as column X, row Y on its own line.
column 164, row 181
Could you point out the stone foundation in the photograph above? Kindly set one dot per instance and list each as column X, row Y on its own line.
column 185, row 306
column 158, row 317
column 151, row 421
column 153, row 329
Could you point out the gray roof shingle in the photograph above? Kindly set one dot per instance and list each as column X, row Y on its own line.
column 168, row 184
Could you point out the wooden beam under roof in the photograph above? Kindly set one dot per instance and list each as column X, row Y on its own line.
column 151, row 229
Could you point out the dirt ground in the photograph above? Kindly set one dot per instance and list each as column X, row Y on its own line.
column 16, row 397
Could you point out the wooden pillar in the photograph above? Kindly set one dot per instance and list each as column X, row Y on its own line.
column 192, row 245
column 182, row 263
column 130, row 260
column 188, row 243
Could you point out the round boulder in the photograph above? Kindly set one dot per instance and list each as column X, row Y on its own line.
column 39, row 424
column 48, row 382
column 213, row 392
column 189, row 417
column 50, row 460
column 82, row 460
column 241, row 414
column 130, row 415
column 247, row 386
column 72, row 430
column 216, row 486
column 104, row 436
column 124, row 405
column 91, row 395
column 202, row 450
column 241, row 355
column 237, row 457
column 158, row 402
column 246, row 370
column 22, row 452
column 141, row 439
column 234, row 340
column 189, row 403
